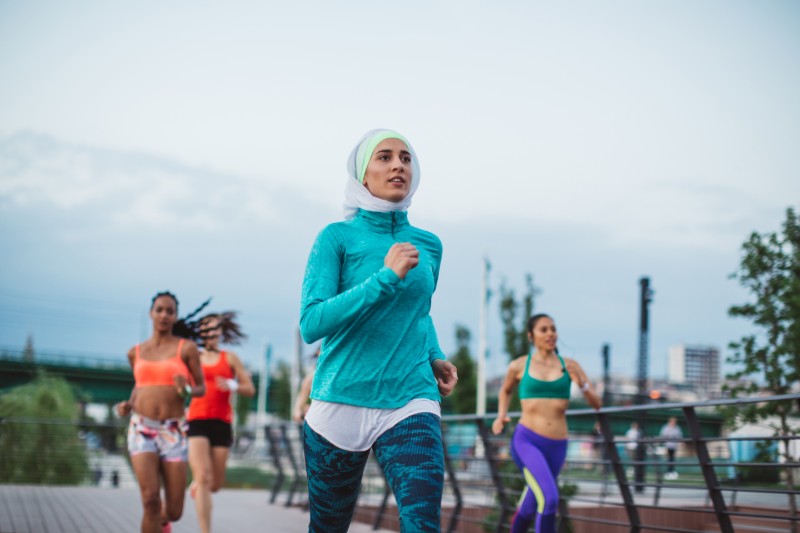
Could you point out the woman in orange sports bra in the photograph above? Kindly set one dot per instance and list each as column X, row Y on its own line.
column 539, row 444
column 164, row 367
column 210, row 432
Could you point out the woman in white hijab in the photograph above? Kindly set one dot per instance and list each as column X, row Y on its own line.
column 380, row 374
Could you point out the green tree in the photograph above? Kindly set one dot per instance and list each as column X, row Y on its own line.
column 463, row 399
column 515, row 324
column 280, row 391
column 39, row 441
column 770, row 271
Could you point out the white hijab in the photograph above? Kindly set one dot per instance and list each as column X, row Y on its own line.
column 356, row 196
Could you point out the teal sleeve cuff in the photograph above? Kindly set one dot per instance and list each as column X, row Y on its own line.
column 388, row 276
column 435, row 356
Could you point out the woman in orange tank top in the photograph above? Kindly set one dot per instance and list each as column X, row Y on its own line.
column 210, row 433
column 163, row 367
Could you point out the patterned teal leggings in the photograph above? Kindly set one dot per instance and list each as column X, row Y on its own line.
column 412, row 458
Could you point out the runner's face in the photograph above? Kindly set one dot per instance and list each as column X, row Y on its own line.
column 164, row 314
column 389, row 171
column 544, row 336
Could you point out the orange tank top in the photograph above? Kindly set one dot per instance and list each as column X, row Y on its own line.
column 216, row 404
column 148, row 373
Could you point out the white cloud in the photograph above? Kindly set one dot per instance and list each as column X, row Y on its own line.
column 131, row 192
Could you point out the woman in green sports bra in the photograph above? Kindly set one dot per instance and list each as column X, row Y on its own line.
column 539, row 444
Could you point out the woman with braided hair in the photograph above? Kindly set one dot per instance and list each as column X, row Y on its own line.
column 210, row 432
column 164, row 366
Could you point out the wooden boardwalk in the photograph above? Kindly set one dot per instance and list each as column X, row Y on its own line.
column 46, row 509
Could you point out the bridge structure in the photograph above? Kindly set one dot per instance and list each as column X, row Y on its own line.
column 104, row 380
column 94, row 379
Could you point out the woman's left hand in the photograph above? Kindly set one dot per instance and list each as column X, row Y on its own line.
column 575, row 372
column 124, row 408
column 180, row 384
column 580, row 378
column 446, row 376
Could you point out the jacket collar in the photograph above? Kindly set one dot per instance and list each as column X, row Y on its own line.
column 388, row 222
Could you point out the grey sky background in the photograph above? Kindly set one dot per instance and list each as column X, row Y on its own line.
column 199, row 147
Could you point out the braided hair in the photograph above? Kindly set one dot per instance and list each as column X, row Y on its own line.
column 185, row 327
column 226, row 321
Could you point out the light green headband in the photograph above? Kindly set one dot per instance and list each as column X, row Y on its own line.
column 368, row 146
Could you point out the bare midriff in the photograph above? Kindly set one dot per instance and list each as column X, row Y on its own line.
column 545, row 416
column 158, row 402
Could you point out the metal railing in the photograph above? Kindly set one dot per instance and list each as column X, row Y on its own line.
column 720, row 484
column 725, row 482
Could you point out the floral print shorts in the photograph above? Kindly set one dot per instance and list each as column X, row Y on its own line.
column 167, row 437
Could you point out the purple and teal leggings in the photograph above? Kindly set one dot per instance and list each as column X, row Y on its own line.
column 412, row 459
column 540, row 459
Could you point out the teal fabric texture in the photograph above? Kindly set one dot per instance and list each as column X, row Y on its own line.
column 378, row 336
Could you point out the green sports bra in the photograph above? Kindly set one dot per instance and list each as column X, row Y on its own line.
column 530, row 387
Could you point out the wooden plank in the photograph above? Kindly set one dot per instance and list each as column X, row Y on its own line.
column 43, row 509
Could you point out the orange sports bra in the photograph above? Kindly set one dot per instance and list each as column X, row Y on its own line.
column 149, row 373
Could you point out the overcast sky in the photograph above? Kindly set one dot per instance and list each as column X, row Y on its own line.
column 199, row 147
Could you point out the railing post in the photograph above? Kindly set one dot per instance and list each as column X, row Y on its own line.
column 276, row 461
column 563, row 516
column 659, row 479
column 293, row 462
column 710, row 475
column 619, row 472
column 498, row 483
column 451, row 475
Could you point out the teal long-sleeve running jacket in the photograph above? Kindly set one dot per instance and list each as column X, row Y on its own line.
column 378, row 336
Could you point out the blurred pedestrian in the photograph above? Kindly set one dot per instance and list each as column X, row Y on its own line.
column 672, row 434
column 599, row 448
column 303, row 401
column 632, row 437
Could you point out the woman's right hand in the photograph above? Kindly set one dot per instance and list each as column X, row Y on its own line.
column 402, row 257
column 499, row 422
column 124, row 408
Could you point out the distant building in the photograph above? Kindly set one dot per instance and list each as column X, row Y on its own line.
column 695, row 366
